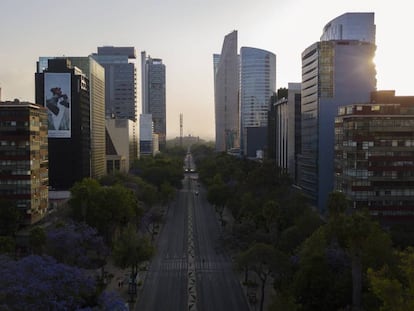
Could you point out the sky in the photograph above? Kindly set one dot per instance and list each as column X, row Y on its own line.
column 185, row 34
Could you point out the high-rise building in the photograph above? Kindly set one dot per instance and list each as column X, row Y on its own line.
column 64, row 90
column 374, row 153
column 153, row 95
column 96, row 75
column 226, row 94
column 120, row 81
column 334, row 73
column 24, row 158
column 351, row 26
column 284, row 128
column 145, row 134
column 294, row 128
column 257, row 85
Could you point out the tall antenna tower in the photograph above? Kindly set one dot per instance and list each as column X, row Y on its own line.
column 181, row 129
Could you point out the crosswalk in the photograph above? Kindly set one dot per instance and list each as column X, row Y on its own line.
column 212, row 266
column 174, row 265
column 182, row 264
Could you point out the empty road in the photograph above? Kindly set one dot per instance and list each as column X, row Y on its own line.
column 191, row 270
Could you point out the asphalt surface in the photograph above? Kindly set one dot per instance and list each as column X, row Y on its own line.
column 218, row 286
column 189, row 243
column 165, row 284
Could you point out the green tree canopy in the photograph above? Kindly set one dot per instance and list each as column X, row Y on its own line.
column 104, row 208
column 9, row 217
column 395, row 287
column 264, row 260
column 361, row 237
column 130, row 250
column 37, row 239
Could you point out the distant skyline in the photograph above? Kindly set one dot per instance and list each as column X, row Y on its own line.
column 185, row 34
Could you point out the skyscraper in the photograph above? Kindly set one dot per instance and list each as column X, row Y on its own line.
column 257, row 85
column 335, row 72
column 351, row 26
column 96, row 75
column 146, row 134
column 120, row 81
column 226, row 94
column 153, row 95
column 284, row 128
column 24, row 158
column 64, row 90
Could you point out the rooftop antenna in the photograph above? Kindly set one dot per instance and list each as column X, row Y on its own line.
column 181, row 129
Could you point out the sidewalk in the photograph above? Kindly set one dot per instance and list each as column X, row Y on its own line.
column 118, row 278
column 253, row 306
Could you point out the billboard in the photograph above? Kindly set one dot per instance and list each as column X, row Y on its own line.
column 58, row 103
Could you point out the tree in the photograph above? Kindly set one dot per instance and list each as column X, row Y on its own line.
column 9, row 217
column 76, row 244
column 37, row 239
column 271, row 214
column 159, row 169
column 39, row 283
column 151, row 221
column 248, row 207
column 265, row 261
column 144, row 191
column 105, row 208
column 117, row 207
column 130, row 250
column 395, row 289
column 303, row 226
column 360, row 237
column 283, row 301
column 84, row 199
column 217, row 195
column 7, row 245
column 167, row 193
column 322, row 279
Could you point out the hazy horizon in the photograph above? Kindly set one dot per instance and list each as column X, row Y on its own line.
column 185, row 34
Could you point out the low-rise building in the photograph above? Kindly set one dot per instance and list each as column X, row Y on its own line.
column 374, row 155
column 24, row 158
column 121, row 144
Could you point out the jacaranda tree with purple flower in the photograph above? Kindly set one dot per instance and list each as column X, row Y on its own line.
column 76, row 244
column 40, row 283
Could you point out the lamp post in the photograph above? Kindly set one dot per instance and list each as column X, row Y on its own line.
column 132, row 287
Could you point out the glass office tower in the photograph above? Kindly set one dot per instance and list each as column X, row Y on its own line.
column 120, row 81
column 154, row 95
column 351, row 26
column 96, row 74
column 334, row 73
column 257, row 85
column 226, row 94
column 64, row 90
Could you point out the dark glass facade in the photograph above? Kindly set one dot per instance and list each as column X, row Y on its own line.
column 334, row 74
column 154, row 95
column 70, row 155
column 120, row 81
